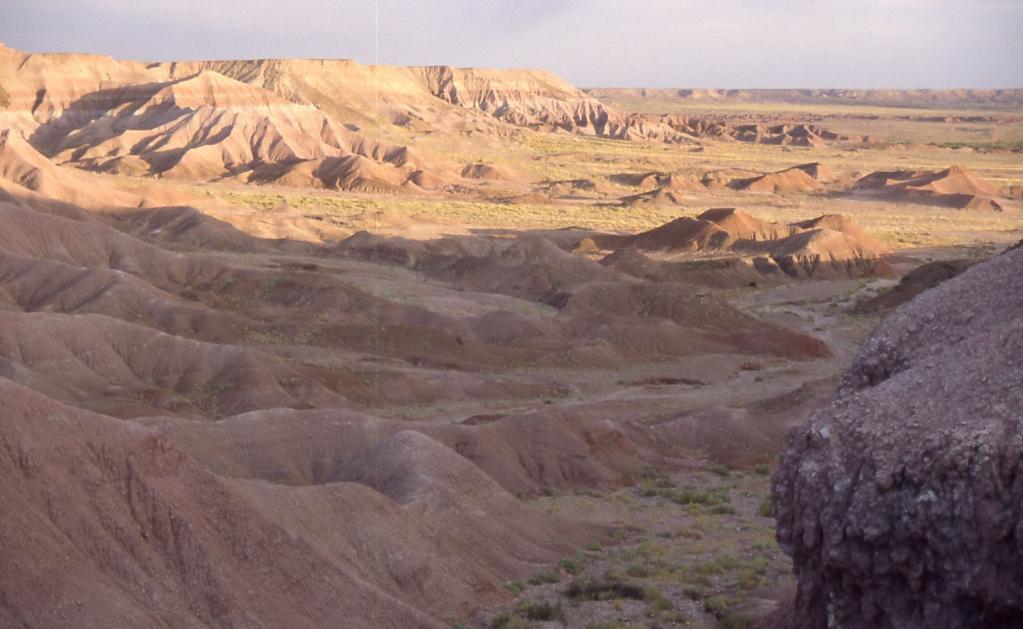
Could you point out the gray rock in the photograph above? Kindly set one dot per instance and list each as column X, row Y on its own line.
column 901, row 503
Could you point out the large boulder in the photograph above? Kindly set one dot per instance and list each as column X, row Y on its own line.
column 901, row 503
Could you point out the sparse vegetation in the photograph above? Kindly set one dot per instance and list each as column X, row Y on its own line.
column 424, row 344
column 570, row 566
column 587, row 590
column 510, row 621
column 515, row 587
column 717, row 497
column 540, row 611
column 548, row 576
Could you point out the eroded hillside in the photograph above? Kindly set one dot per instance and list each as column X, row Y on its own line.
column 307, row 342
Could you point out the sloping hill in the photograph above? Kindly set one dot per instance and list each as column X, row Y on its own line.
column 112, row 516
column 209, row 126
column 956, row 186
column 825, row 246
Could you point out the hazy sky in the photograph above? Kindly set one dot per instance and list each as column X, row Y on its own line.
column 655, row 43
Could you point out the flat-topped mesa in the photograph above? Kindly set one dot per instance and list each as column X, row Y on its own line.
column 965, row 98
column 490, row 90
column 45, row 87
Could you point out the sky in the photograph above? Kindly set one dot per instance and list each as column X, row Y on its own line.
column 592, row 43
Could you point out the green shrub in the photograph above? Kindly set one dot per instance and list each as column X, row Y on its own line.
column 571, row 566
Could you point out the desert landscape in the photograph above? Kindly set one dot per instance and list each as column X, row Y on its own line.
column 316, row 343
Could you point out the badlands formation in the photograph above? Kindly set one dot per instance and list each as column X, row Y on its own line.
column 307, row 343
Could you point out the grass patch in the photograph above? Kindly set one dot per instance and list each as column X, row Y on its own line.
column 658, row 603
column 547, row 576
column 638, row 571
column 719, row 565
column 515, row 587
column 723, row 608
column 694, row 592
column 719, row 469
column 766, row 508
column 509, row 621
column 686, row 496
column 571, row 566
column 995, row 146
column 540, row 610
column 585, row 590
column 528, row 612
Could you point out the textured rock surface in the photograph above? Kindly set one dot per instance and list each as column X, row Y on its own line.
column 901, row 503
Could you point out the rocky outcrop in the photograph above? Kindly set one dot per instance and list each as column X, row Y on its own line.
column 901, row 503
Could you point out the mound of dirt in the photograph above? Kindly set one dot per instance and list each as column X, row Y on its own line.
column 707, row 320
column 532, row 268
column 745, row 226
column 574, row 188
column 715, row 229
column 956, row 186
column 805, row 178
column 652, row 180
column 719, row 272
column 825, row 252
column 658, row 196
column 488, row 171
column 681, row 234
column 827, row 246
column 897, row 502
column 132, row 532
column 920, row 279
column 31, row 178
column 780, row 134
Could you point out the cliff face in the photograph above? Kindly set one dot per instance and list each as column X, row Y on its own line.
column 74, row 89
column 901, row 503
